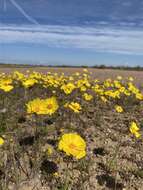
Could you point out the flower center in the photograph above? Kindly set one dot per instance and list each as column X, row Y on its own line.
column 49, row 106
column 72, row 146
column 37, row 109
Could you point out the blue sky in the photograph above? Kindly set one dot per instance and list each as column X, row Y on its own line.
column 77, row 32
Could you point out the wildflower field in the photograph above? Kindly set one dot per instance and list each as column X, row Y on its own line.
column 68, row 132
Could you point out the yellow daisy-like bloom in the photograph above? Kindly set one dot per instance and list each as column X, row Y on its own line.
column 36, row 106
column 119, row 109
column 6, row 88
column 18, row 76
column 51, row 105
column 68, row 88
column 77, row 73
column 1, row 141
column 56, row 174
column 104, row 99
column 74, row 106
column 139, row 96
column 83, row 88
column 134, row 129
column 87, row 97
column 119, row 77
column 6, row 84
column 42, row 106
column 131, row 78
column 73, row 144
column 49, row 150
column 85, row 70
column 29, row 82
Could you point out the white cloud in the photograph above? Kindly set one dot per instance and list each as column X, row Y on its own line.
column 125, row 40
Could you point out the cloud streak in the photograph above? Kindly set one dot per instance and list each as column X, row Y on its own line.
column 99, row 39
column 21, row 10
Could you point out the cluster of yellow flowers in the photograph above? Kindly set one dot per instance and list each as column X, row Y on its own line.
column 88, row 88
column 116, row 89
column 107, row 90
column 42, row 106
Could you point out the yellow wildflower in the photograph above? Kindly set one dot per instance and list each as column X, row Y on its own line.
column 51, row 105
column 29, row 82
column 96, row 80
column 139, row 96
column 42, row 106
column 74, row 106
column 36, row 106
column 87, row 97
column 49, row 150
column 1, row 141
column 134, row 129
column 56, row 174
column 73, row 144
column 119, row 109
column 83, row 88
column 6, row 88
column 68, row 88
column 6, row 84
column 77, row 74
column 18, row 76
column 104, row 99
column 131, row 78
column 85, row 70
column 127, row 93
column 122, row 89
column 119, row 77
column 71, row 78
